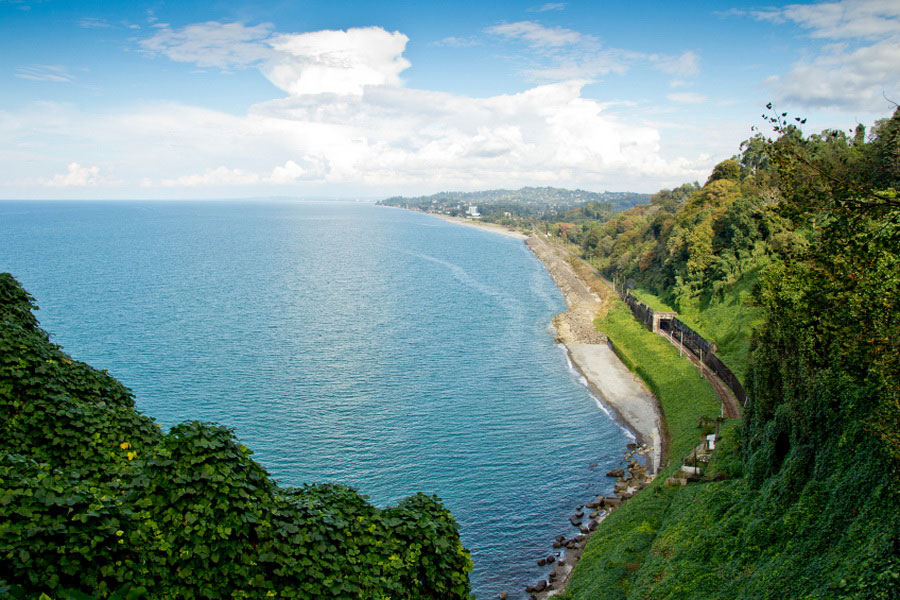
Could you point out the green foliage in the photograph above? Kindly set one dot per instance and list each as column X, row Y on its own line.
column 727, row 169
column 616, row 551
column 810, row 510
column 97, row 502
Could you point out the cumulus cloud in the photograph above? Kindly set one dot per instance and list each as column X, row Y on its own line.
column 338, row 62
column 347, row 120
column 75, row 176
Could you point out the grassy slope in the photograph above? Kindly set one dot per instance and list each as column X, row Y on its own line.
column 727, row 320
column 825, row 533
column 616, row 551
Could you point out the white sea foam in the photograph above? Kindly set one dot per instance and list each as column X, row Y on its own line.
column 597, row 400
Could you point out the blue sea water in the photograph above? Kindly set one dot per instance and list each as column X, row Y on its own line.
column 383, row 349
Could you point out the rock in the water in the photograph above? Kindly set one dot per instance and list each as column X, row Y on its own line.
column 541, row 586
column 575, row 521
column 551, row 559
column 503, row 596
column 617, row 472
column 579, row 507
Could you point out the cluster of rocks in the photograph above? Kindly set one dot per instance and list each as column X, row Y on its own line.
column 587, row 517
column 634, row 477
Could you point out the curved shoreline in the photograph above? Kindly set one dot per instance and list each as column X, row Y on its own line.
column 610, row 382
column 619, row 389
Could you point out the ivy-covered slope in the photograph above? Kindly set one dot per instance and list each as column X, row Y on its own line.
column 812, row 509
column 96, row 501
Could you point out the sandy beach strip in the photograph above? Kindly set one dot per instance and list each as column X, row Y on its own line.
column 484, row 226
column 619, row 389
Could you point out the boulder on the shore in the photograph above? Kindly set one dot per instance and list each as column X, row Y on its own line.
column 551, row 559
column 617, row 472
column 541, row 562
column 575, row 521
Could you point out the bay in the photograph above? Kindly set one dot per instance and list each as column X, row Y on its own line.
column 343, row 342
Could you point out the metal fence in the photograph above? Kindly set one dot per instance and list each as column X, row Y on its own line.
column 693, row 341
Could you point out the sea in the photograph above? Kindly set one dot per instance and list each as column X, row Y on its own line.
column 345, row 342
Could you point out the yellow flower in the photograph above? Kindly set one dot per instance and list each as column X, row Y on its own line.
column 124, row 445
column 131, row 455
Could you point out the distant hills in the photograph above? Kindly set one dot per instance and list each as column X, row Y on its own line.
column 527, row 200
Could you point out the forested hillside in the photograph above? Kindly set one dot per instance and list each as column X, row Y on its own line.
column 803, row 232
column 97, row 502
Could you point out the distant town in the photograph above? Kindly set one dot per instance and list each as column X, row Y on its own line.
column 515, row 205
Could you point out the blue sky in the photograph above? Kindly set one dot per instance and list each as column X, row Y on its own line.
column 368, row 99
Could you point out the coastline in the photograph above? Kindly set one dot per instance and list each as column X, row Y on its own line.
column 619, row 389
column 492, row 227
column 609, row 380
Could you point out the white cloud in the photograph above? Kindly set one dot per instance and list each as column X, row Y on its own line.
column 338, row 62
column 55, row 73
column 347, row 122
column 687, row 98
column 456, row 42
column 75, row 176
column 559, row 54
column 93, row 23
column 686, row 64
column 213, row 177
column 845, row 19
column 844, row 79
column 548, row 7
column 211, row 44
column 854, row 74
column 536, row 34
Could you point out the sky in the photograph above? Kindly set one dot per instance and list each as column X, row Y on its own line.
column 309, row 99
